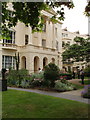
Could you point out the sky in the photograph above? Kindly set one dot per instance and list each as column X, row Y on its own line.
column 75, row 20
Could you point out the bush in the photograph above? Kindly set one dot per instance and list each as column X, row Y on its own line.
column 51, row 73
column 35, row 83
column 87, row 71
column 16, row 77
column 25, row 84
column 66, row 76
column 59, row 86
column 38, row 76
column 86, row 92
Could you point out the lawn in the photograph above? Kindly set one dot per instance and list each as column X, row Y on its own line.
column 86, row 82
column 21, row 104
column 78, row 86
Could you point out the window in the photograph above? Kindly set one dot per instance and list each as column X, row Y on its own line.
column 63, row 43
column 11, row 39
column 57, row 45
column 8, row 61
column 44, row 27
column 64, row 35
column 43, row 42
column 26, row 39
column 56, row 32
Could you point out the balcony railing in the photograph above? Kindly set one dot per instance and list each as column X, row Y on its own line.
column 9, row 46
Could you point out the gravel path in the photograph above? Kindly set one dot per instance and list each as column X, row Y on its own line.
column 71, row 95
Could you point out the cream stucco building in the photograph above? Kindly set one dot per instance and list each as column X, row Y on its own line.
column 39, row 48
column 35, row 49
column 68, row 37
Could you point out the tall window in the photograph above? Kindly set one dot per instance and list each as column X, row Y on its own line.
column 56, row 32
column 43, row 42
column 64, row 35
column 11, row 38
column 44, row 27
column 26, row 39
column 8, row 61
column 57, row 45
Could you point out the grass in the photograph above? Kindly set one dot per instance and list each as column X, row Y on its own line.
column 21, row 104
column 78, row 86
column 86, row 82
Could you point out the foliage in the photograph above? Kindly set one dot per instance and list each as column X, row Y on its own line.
column 51, row 73
column 60, row 86
column 33, row 12
column 36, row 79
column 25, row 83
column 67, row 76
column 35, row 83
column 17, row 61
column 87, row 71
column 87, row 9
column 80, row 51
column 38, row 76
column 16, row 77
column 86, row 92
column 86, row 82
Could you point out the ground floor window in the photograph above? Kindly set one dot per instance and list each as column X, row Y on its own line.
column 8, row 61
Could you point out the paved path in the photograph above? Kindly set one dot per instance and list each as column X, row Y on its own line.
column 71, row 95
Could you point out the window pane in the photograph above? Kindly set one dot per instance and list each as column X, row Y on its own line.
column 43, row 42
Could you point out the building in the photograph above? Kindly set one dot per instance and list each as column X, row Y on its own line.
column 35, row 49
column 68, row 38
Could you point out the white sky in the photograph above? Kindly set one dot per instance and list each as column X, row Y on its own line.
column 75, row 19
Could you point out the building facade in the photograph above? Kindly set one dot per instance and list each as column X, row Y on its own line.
column 35, row 49
column 68, row 38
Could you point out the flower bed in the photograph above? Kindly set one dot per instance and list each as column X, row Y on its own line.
column 66, row 76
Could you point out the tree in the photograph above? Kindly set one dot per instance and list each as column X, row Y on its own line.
column 51, row 73
column 87, row 9
column 17, row 60
column 80, row 51
column 30, row 14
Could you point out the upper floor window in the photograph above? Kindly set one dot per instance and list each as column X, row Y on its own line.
column 56, row 32
column 44, row 27
column 63, row 43
column 64, row 35
column 43, row 42
column 26, row 39
column 11, row 38
column 57, row 45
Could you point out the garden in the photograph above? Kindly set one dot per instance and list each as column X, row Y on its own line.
column 49, row 79
column 15, row 103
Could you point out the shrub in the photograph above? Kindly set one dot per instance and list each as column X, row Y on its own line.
column 38, row 76
column 51, row 73
column 25, row 84
column 66, row 76
column 59, row 86
column 86, row 92
column 46, row 83
column 87, row 71
column 16, row 77
column 35, row 83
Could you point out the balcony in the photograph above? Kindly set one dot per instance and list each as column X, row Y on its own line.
column 9, row 46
